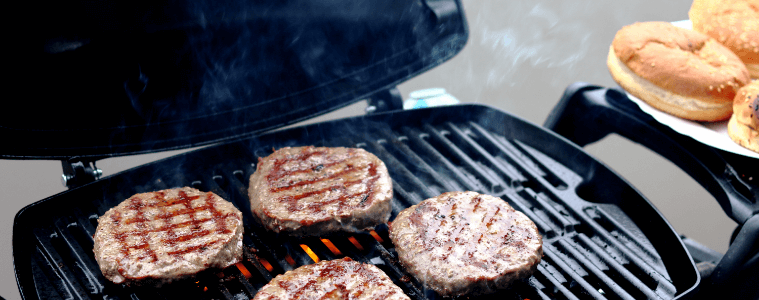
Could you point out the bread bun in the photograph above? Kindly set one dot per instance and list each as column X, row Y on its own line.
column 678, row 71
column 734, row 23
column 743, row 127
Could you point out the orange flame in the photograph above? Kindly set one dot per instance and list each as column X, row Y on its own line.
column 310, row 253
column 243, row 270
column 289, row 259
column 355, row 242
column 331, row 247
column 376, row 236
column 266, row 264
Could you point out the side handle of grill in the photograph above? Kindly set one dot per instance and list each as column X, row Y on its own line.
column 587, row 113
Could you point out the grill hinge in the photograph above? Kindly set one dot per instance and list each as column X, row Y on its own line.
column 384, row 100
column 78, row 172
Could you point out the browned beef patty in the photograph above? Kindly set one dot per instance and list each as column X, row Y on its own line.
column 162, row 236
column 314, row 191
column 465, row 243
column 332, row 279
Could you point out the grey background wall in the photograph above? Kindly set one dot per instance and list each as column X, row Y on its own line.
column 519, row 58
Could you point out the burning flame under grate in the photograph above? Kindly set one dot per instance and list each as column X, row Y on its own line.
column 588, row 253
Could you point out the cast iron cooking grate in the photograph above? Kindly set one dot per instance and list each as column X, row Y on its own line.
column 591, row 249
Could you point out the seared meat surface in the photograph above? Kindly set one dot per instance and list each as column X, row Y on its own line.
column 314, row 191
column 465, row 243
column 332, row 279
column 163, row 236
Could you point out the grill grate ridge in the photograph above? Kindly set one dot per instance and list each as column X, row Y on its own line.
column 464, row 141
column 636, row 245
column 604, row 280
column 84, row 264
column 416, row 140
column 516, row 157
column 556, row 285
column 399, row 172
column 616, row 266
column 440, row 142
column 423, row 170
column 572, row 271
column 62, row 269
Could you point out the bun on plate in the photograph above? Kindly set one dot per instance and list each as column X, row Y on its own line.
column 676, row 70
column 734, row 23
column 743, row 127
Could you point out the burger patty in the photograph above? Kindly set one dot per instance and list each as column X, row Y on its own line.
column 332, row 279
column 465, row 243
column 159, row 237
column 315, row 191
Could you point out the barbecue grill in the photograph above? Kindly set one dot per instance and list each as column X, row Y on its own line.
column 193, row 84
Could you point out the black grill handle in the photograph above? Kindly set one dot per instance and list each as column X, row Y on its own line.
column 587, row 113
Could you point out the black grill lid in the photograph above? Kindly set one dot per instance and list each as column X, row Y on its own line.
column 107, row 79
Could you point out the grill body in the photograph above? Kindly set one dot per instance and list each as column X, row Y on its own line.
column 602, row 239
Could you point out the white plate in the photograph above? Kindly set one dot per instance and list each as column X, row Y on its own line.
column 710, row 133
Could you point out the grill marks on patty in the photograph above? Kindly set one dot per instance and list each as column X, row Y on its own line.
column 163, row 236
column 319, row 177
column 312, row 191
column 452, row 226
column 465, row 243
column 165, row 216
column 334, row 279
